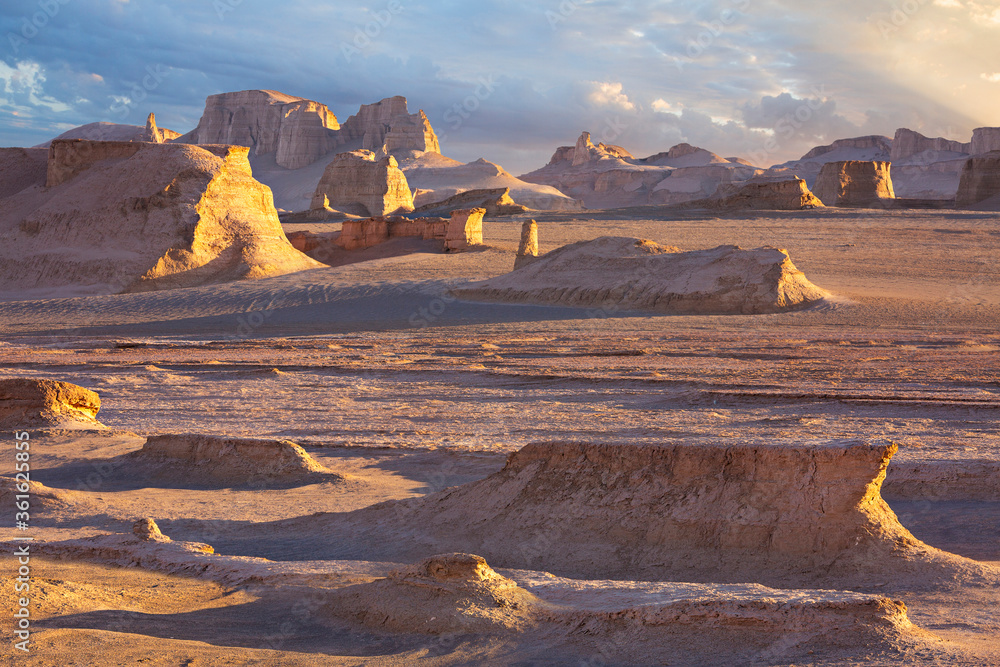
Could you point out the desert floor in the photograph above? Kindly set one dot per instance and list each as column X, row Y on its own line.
column 403, row 390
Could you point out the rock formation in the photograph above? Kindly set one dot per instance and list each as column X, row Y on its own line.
column 213, row 461
column 791, row 515
column 361, row 234
column 497, row 202
column 527, row 250
column 776, row 193
column 440, row 177
column 866, row 149
column 389, row 123
column 623, row 274
column 908, row 143
column 29, row 403
column 604, row 176
column 147, row 531
column 116, row 132
column 882, row 145
column 854, row 183
column 985, row 140
column 359, row 182
column 298, row 131
column 465, row 229
column 22, row 168
column 980, row 179
column 446, row 593
column 123, row 216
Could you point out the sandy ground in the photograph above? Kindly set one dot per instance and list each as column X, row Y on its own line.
column 385, row 378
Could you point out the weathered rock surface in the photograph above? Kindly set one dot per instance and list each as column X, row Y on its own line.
column 854, row 183
column 908, row 143
column 21, row 168
column 985, row 140
column 497, row 202
column 123, row 216
column 361, row 182
column 865, row 149
column 154, row 134
column 442, row 177
column 631, row 274
column 361, row 234
column 527, row 250
column 297, row 130
column 147, row 531
column 465, row 229
column 722, row 512
column 604, row 176
column 211, row 460
column 113, row 132
column 980, row 179
column 29, row 403
column 443, row 594
column 776, row 193
column 389, row 123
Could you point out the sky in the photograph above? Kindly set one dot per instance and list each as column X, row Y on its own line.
column 511, row 80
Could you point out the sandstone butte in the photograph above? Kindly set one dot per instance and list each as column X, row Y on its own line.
column 362, row 183
column 496, row 201
column 298, row 132
column 907, row 143
column 31, row 403
column 775, row 193
column 980, row 180
column 854, row 183
column 631, row 274
column 119, row 216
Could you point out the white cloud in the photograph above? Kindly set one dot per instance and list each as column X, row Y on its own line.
column 610, row 94
column 660, row 105
column 992, row 78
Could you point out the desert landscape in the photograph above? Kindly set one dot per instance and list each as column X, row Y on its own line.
column 288, row 389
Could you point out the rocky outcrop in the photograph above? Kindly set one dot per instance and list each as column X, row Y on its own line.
column 776, row 193
column 908, row 143
column 360, row 182
column 361, row 234
column 854, row 183
column 497, row 202
column 219, row 461
column 29, row 403
column 604, row 176
column 872, row 142
column 296, row 130
column 155, row 135
column 985, row 140
column 22, row 168
column 389, row 123
column 116, row 132
column 631, row 274
column 785, row 514
column 527, row 250
column 121, row 216
column 465, row 229
column 980, row 179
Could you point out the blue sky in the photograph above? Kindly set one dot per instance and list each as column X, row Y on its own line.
column 512, row 80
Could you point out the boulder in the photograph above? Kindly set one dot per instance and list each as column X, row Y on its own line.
column 908, row 143
column 465, row 229
column 496, row 201
column 627, row 274
column 359, row 181
column 298, row 131
column 147, row 531
column 120, row 216
column 985, row 140
column 980, row 179
column 777, row 193
column 28, row 403
column 527, row 250
column 854, row 183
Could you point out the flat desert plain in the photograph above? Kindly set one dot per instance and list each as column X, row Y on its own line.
column 409, row 405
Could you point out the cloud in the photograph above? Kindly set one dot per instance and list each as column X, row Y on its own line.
column 610, row 95
column 992, row 78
